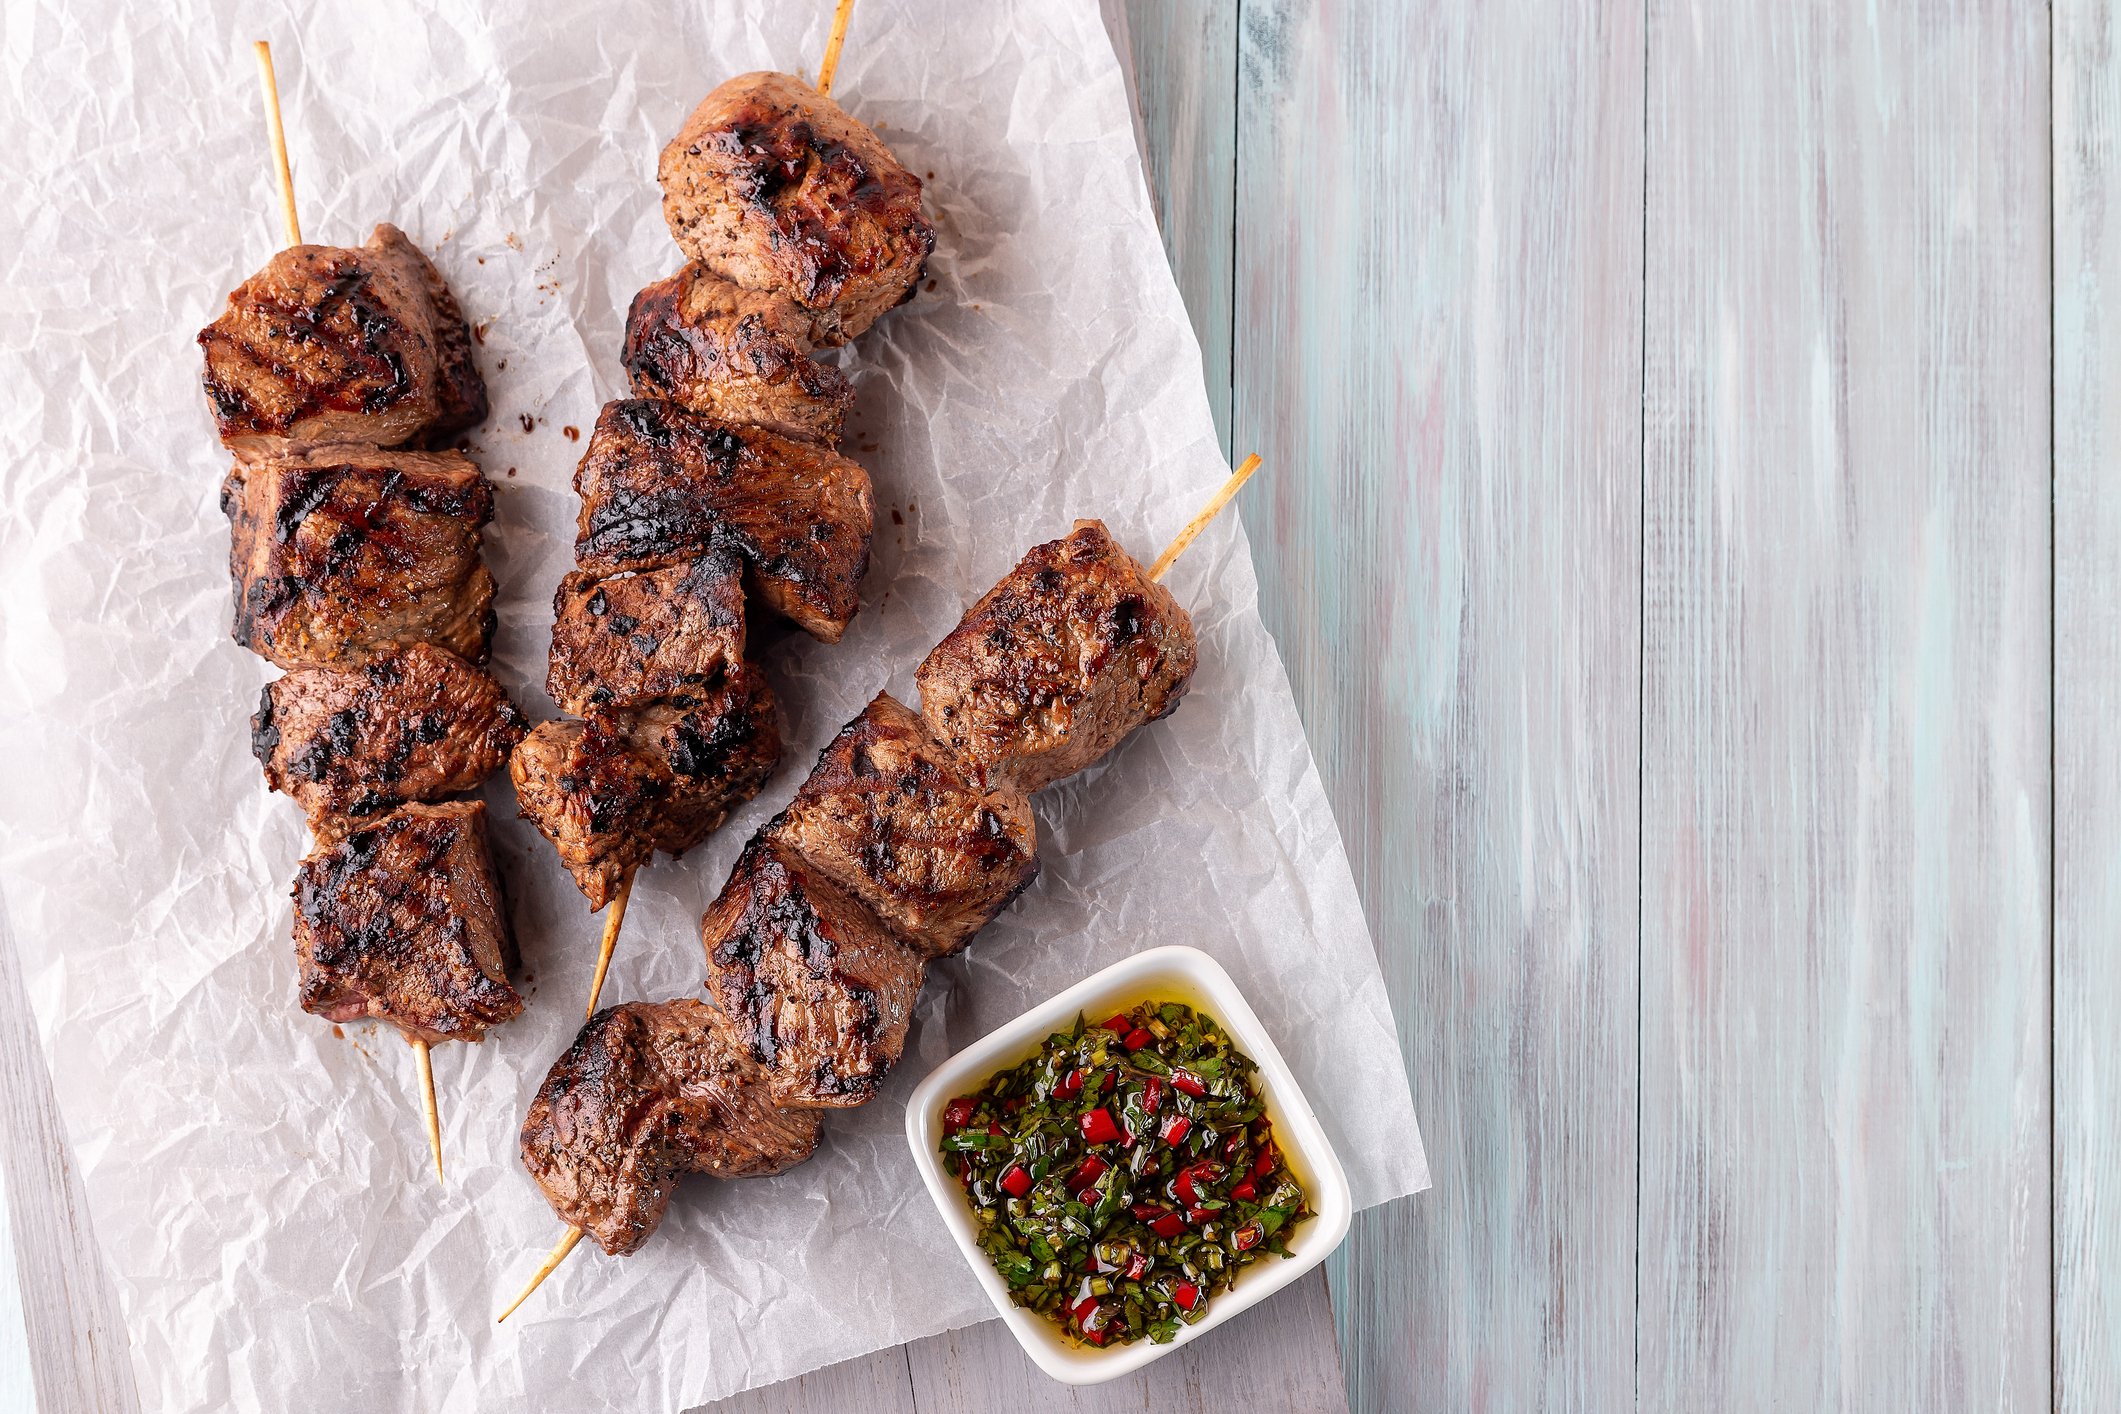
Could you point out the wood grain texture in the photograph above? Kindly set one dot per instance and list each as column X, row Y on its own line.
column 1845, row 1123
column 878, row 1383
column 77, row 1349
column 1185, row 67
column 1438, row 350
column 2087, row 206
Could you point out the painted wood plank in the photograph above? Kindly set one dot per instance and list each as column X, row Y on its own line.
column 1845, row 1125
column 1185, row 69
column 77, row 1349
column 1437, row 343
column 878, row 1383
column 2087, row 338
column 981, row 1368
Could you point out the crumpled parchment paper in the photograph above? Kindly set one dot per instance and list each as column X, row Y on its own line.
column 260, row 1185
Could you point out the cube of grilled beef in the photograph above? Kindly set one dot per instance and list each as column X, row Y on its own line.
column 358, row 345
column 1069, row 652
column 888, row 815
column 611, row 789
column 661, row 485
column 819, row 990
column 772, row 185
column 339, row 551
column 734, row 354
column 644, row 1096
column 624, row 640
column 409, row 724
column 404, row 921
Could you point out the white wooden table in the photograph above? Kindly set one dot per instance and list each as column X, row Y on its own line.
column 1692, row 528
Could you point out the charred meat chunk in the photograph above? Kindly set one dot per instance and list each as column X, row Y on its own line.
column 772, row 185
column 335, row 344
column 818, row 989
column 889, row 817
column 404, row 921
column 611, row 789
column 645, row 1095
column 661, row 485
column 627, row 639
column 1073, row 649
column 409, row 724
column 734, row 354
column 339, row 552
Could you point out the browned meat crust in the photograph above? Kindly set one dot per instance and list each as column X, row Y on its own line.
column 733, row 354
column 404, row 921
column 1073, row 649
column 644, row 1096
column 409, row 724
column 888, row 816
column 818, row 990
column 625, row 640
column 611, row 789
column 339, row 551
column 661, row 485
column 773, row 186
column 342, row 344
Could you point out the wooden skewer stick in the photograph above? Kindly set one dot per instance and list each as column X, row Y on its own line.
column 1163, row 562
column 832, row 47
column 427, row 1098
column 1207, row 513
column 552, row 1259
column 278, row 134
column 612, row 920
column 279, row 142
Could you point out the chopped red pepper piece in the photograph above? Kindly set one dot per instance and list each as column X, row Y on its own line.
column 1186, row 1295
column 1087, row 1173
column 1119, row 1024
column 1233, row 1144
column 1249, row 1236
column 1149, row 1212
column 1098, row 1127
column 1069, row 1088
column 959, row 1113
column 1192, row 1177
column 1264, row 1164
column 1111, row 1079
column 1200, row 1215
column 1136, row 1039
column 1098, row 1336
column 1245, row 1191
column 1175, row 1130
column 1187, row 1081
column 1017, row 1181
column 1169, row 1225
column 1152, row 1096
column 1138, row 1266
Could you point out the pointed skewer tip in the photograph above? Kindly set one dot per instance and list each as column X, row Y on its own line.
column 1206, row 513
column 552, row 1260
column 427, row 1103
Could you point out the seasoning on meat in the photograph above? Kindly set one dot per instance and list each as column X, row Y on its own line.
column 661, row 485
column 403, row 921
column 818, row 990
column 611, row 789
column 359, row 344
column 736, row 355
column 624, row 640
column 889, row 816
column 1073, row 649
column 339, row 552
column 773, row 186
column 644, row 1096
column 349, row 745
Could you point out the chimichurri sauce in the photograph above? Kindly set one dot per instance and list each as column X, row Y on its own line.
column 1125, row 1175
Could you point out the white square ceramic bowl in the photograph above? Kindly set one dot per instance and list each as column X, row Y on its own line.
column 1161, row 974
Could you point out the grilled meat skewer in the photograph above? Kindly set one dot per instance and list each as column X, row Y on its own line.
column 913, row 831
